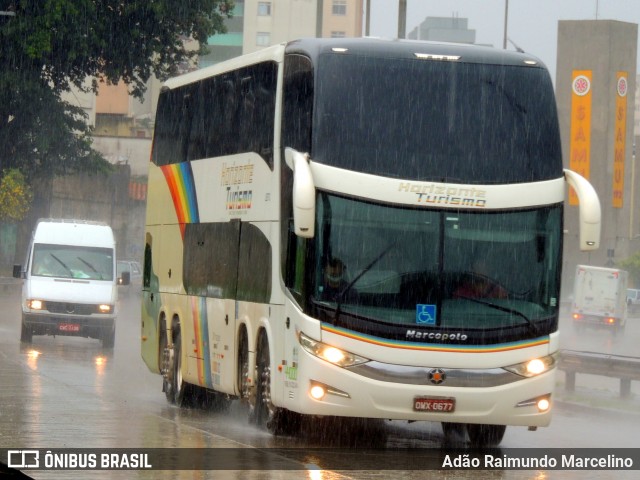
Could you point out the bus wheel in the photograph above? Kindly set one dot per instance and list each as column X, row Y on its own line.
column 276, row 420
column 244, row 382
column 183, row 393
column 454, row 432
column 485, row 435
column 26, row 334
column 166, row 365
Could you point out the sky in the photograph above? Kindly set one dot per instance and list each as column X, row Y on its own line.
column 532, row 24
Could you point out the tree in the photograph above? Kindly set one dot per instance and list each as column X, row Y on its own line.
column 632, row 265
column 15, row 196
column 49, row 46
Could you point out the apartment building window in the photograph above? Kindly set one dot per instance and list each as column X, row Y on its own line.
column 264, row 9
column 335, row 34
column 263, row 39
column 339, row 7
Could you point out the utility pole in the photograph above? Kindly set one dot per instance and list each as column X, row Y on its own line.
column 319, row 19
column 506, row 19
column 367, row 23
column 402, row 18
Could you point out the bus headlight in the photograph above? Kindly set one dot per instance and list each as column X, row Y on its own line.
column 533, row 367
column 330, row 353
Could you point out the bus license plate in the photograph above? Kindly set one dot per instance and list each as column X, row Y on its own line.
column 69, row 327
column 431, row 404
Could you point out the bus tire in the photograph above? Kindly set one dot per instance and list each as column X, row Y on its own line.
column 177, row 391
column 454, row 432
column 481, row 435
column 26, row 334
column 183, row 393
column 276, row 420
column 245, row 386
column 166, row 362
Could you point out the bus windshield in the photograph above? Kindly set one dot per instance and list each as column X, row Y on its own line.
column 393, row 266
column 436, row 120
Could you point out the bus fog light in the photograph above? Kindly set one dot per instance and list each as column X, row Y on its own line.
column 543, row 404
column 317, row 392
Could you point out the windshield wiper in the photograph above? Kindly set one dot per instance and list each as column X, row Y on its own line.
column 62, row 263
column 340, row 296
column 533, row 328
column 90, row 266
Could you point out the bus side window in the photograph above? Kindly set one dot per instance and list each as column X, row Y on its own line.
column 298, row 103
column 146, row 276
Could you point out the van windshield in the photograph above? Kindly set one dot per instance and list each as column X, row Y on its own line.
column 70, row 261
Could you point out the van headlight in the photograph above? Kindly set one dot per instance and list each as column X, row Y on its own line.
column 104, row 308
column 35, row 304
column 330, row 353
column 533, row 367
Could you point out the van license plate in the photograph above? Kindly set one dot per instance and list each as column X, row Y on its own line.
column 431, row 404
column 69, row 327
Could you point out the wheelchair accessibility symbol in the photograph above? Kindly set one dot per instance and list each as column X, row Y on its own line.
column 425, row 314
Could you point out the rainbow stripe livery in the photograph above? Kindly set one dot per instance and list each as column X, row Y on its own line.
column 179, row 178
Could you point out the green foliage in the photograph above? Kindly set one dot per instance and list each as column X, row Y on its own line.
column 632, row 265
column 15, row 196
column 49, row 46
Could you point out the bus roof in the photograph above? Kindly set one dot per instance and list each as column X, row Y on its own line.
column 383, row 47
column 392, row 48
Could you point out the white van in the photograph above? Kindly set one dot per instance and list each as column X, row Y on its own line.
column 70, row 284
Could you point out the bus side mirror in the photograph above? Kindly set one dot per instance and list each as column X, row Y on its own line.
column 590, row 214
column 304, row 193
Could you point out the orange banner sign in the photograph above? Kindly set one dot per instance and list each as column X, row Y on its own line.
column 580, row 140
column 620, row 137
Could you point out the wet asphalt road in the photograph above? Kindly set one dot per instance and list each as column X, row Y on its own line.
column 67, row 392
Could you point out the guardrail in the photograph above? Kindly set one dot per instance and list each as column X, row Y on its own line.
column 613, row 366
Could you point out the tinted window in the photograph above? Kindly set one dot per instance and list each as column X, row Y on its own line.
column 223, row 115
column 211, row 259
column 227, row 260
column 436, row 121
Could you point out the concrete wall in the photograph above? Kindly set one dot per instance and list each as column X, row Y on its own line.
column 603, row 47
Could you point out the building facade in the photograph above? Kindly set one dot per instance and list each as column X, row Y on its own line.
column 595, row 92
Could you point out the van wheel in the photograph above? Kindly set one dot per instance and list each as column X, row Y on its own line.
column 109, row 338
column 485, row 435
column 26, row 334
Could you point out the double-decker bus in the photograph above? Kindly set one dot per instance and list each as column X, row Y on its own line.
column 361, row 228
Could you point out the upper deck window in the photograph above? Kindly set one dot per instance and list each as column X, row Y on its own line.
column 440, row 121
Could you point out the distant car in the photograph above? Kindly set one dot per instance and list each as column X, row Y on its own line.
column 135, row 274
column 633, row 297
